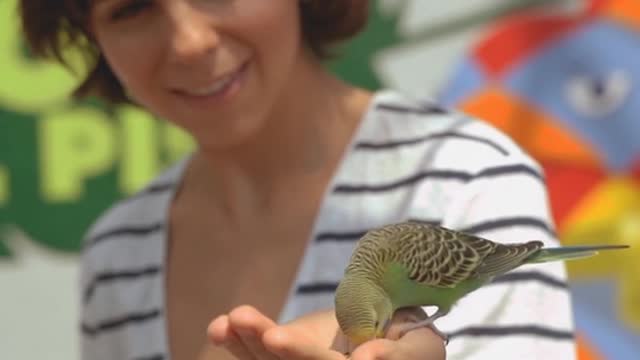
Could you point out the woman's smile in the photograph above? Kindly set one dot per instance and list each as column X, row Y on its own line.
column 221, row 89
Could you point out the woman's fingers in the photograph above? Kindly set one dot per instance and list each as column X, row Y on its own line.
column 379, row 349
column 250, row 325
column 289, row 344
column 417, row 344
column 250, row 335
column 220, row 333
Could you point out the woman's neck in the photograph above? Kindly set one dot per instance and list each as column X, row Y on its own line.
column 297, row 151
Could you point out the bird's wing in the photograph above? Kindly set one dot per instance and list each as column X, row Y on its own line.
column 440, row 257
column 506, row 257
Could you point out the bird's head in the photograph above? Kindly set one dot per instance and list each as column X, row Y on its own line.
column 363, row 309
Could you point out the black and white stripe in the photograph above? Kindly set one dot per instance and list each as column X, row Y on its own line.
column 108, row 277
column 420, row 109
column 151, row 190
column 151, row 357
column 496, row 224
column 119, row 322
column 407, row 181
column 494, row 332
column 443, row 136
column 128, row 232
column 439, row 174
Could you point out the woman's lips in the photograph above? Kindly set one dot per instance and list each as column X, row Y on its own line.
column 220, row 87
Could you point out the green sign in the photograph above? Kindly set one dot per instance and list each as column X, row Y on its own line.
column 62, row 163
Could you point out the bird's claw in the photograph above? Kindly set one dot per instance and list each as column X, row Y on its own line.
column 425, row 323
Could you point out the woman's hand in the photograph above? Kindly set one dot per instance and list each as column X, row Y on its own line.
column 250, row 335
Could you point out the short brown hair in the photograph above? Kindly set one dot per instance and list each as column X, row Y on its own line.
column 51, row 26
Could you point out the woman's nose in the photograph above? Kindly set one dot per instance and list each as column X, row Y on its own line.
column 193, row 34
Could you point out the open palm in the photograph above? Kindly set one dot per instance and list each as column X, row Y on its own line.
column 249, row 335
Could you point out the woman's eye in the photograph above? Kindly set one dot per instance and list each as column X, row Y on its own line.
column 129, row 9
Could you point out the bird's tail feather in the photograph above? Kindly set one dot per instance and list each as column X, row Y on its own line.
column 570, row 252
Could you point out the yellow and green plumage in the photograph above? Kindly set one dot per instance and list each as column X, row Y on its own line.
column 413, row 264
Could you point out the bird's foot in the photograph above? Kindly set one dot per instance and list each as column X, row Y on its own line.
column 424, row 323
column 415, row 322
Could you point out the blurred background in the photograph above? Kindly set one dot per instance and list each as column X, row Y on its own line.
column 561, row 77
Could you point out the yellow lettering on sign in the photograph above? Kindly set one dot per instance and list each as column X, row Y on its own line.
column 5, row 188
column 139, row 144
column 27, row 85
column 75, row 145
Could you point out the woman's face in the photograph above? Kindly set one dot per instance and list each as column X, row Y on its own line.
column 213, row 67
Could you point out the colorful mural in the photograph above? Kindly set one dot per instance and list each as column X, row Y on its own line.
column 566, row 87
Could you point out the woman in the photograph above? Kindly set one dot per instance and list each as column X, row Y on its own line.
column 292, row 166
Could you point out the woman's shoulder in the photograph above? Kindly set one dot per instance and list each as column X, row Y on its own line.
column 451, row 137
column 145, row 210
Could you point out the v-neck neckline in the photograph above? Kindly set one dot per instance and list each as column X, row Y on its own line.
column 179, row 171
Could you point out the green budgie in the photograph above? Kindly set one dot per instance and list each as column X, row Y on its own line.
column 412, row 264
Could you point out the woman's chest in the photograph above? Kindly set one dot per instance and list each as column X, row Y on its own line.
column 212, row 269
column 224, row 269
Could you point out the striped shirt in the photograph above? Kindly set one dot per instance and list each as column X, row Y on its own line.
column 408, row 160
